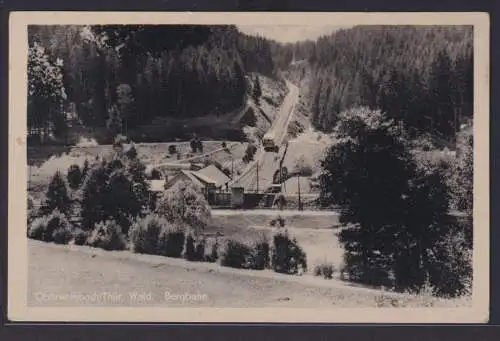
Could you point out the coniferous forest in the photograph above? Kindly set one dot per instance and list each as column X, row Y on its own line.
column 142, row 71
column 420, row 76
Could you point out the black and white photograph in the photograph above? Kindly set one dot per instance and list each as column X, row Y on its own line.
column 182, row 165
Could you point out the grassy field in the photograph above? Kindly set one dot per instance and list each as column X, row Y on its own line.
column 64, row 269
column 315, row 234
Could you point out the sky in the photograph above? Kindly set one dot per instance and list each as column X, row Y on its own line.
column 290, row 33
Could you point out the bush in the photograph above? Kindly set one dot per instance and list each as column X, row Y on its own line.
column 145, row 233
column 37, row 227
column 52, row 228
column 279, row 221
column 195, row 249
column 261, row 256
column 190, row 253
column 156, row 174
column 194, row 145
column 80, row 237
column 62, row 234
column 107, row 235
column 56, row 196
column 32, row 211
column 171, row 241
column 184, row 204
column 131, row 152
column 74, row 176
column 287, row 256
column 224, row 145
column 200, row 250
column 172, row 149
column 214, row 253
column 451, row 266
column 237, row 255
column 326, row 270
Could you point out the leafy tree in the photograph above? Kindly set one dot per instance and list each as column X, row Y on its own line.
column 395, row 204
column 56, row 196
column 115, row 190
column 183, row 203
column 46, row 91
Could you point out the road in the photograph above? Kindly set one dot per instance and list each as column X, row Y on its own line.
column 267, row 163
column 68, row 275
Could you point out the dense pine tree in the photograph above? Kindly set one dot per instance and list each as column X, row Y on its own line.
column 149, row 71
column 422, row 76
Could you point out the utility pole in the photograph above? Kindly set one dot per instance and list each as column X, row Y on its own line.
column 257, row 176
column 298, row 190
column 232, row 167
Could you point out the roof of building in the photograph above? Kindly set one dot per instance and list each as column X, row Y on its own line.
column 196, row 179
column 215, row 174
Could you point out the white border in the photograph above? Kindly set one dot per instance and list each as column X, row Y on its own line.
column 17, row 252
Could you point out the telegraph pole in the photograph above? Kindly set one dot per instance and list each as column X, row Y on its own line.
column 298, row 190
column 257, row 176
column 232, row 167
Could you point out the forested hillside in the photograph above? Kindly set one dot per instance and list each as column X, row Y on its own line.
column 422, row 76
column 139, row 72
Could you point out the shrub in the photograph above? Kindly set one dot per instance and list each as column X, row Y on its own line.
column 107, row 235
column 190, row 253
column 184, row 204
column 37, row 227
column 325, row 269
column 261, row 256
column 200, row 250
column 62, row 234
column 279, row 221
column 131, row 152
column 145, row 233
column 194, row 145
column 171, row 241
column 156, row 174
column 80, row 237
column 56, row 196
column 74, row 176
column 237, row 255
column 224, row 145
column 214, row 253
column 172, row 149
column 32, row 211
column 52, row 228
column 450, row 273
column 287, row 256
